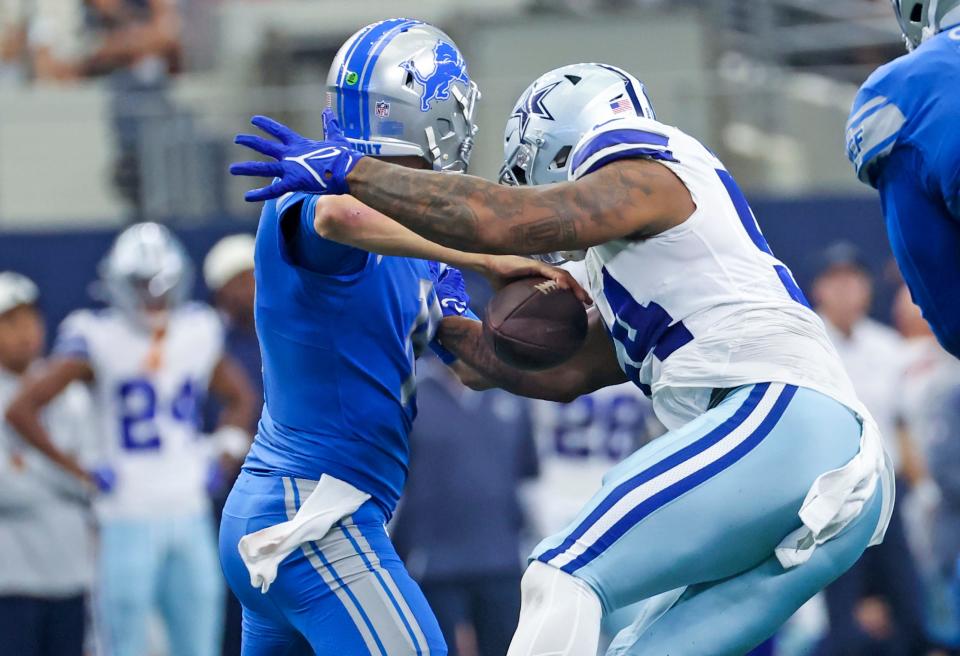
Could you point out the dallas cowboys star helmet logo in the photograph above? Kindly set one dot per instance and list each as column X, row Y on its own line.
column 533, row 105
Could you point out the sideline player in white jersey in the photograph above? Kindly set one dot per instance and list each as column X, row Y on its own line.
column 150, row 359
column 577, row 444
column 768, row 485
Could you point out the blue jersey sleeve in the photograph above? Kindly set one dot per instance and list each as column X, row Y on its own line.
column 940, row 144
column 873, row 128
column 309, row 250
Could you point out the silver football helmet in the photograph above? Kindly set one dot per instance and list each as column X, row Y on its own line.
column 400, row 87
column 921, row 19
column 146, row 272
column 554, row 113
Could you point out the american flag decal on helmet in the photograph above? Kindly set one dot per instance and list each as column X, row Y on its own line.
column 621, row 104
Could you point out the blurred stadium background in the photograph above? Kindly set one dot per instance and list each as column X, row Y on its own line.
column 116, row 111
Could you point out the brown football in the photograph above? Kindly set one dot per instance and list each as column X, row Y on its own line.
column 534, row 324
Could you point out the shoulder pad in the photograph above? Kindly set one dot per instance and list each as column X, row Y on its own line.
column 632, row 136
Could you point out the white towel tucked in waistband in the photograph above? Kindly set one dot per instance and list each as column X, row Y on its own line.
column 330, row 501
column 838, row 497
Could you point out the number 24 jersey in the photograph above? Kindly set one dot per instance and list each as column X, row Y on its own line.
column 147, row 394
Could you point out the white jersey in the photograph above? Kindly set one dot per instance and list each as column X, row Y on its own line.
column 578, row 443
column 148, row 392
column 705, row 304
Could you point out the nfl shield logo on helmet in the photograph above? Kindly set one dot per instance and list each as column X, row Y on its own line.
column 383, row 109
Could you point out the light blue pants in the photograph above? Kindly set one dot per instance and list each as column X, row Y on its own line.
column 169, row 565
column 703, row 508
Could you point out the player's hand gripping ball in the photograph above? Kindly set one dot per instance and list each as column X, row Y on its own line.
column 534, row 324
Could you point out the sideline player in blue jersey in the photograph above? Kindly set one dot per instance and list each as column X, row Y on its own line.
column 302, row 540
column 903, row 139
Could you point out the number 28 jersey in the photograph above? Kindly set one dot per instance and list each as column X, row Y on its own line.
column 705, row 304
column 147, row 393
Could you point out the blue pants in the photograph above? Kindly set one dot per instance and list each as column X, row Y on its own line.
column 164, row 563
column 347, row 594
column 703, row 508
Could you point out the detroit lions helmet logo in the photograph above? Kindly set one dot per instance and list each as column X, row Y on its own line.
column 448, row 68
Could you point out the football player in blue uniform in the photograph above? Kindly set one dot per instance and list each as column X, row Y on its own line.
column 302, row 540
column 902, row 138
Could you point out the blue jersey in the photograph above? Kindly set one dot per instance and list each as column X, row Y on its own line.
column 339, row 342
column 912, row 103
column 903, row 139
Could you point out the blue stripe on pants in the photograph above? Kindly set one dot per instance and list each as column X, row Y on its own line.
column 678, row 458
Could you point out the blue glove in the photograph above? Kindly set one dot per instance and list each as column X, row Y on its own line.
column 451, row 291
column 313, row 167
column 454, row 301
column 104, row 477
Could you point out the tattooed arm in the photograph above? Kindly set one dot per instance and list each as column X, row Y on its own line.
column 346, row 220
column 628, row 198
column 594, row 366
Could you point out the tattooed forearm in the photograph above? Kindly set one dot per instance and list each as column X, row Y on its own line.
column 631, row 197
column 537, row 234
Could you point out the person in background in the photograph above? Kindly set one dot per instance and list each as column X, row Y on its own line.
column 46, row 551
column 150, row 357
column 228, row 273
column 134, row 44
column 930, row 411
column 13, row 41
column 875, row 607
column 459, row 525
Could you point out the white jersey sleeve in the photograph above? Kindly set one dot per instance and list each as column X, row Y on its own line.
column 705, row 304
column 77, row 335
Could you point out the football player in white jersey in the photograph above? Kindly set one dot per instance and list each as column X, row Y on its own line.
column 773, row 478
column 149, row 359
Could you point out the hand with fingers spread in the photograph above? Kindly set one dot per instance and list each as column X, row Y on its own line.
column 313, row 167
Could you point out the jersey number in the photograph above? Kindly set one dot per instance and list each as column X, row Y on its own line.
column 640, row 329
column 138, row 407
column 749, row 222
column 419, row 335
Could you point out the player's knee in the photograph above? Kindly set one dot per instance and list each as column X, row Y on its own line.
column 547, row 589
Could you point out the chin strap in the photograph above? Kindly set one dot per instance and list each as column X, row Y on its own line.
column 933, row 25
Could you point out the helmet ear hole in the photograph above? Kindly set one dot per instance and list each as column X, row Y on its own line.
column 560, row 160
column 519, row 174
column 408, row 80
column 916, row 14
column 445, row 128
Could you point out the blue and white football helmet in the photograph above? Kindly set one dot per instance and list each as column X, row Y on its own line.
column 400, row 87
column 921, row 19
column 146, row 272
column 554, row 113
